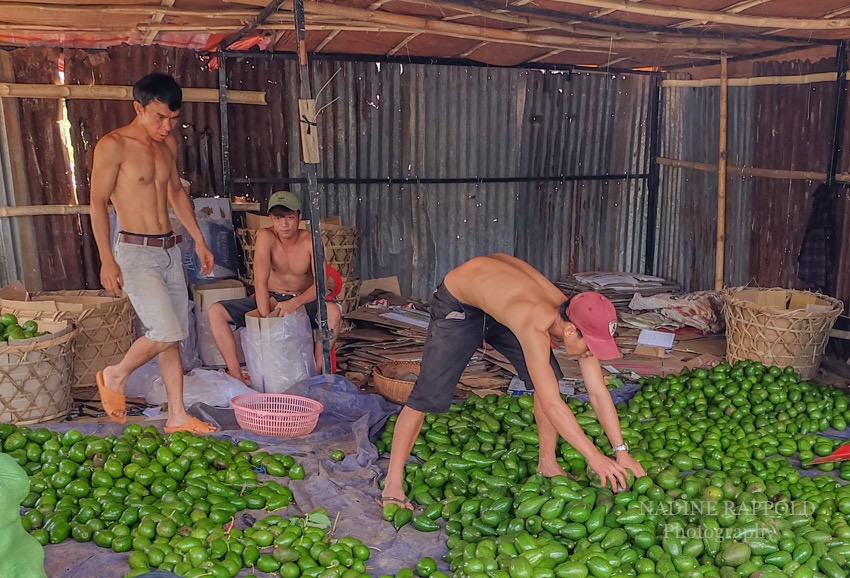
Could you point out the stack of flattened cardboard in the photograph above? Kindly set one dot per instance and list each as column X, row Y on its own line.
column 618, row 287
column 388, row 332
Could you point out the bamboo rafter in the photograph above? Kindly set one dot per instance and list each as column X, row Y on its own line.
column 751, row 171
column 754, row 81
column 403, row 22
column 113, row 92
column 734, row 9
column 335, row 33
column 402, row 44
column 156, row 19
column 143, row 11
column 679, row 13
column 833, row 14
column 41, row 210
column 606, row 11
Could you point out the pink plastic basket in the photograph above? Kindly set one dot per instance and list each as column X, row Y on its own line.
column 276, row 414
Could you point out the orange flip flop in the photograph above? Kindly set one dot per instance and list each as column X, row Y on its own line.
column 194, row 426
column 112, row 400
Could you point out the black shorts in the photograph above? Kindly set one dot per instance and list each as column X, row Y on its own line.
column 237, row 308
column 456, row 330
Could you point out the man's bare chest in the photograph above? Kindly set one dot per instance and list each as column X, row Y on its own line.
column 146, row 165
column 291, row 260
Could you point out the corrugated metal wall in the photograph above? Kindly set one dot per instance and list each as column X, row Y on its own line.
column 394, row 121
column 775, row 127
column 439, row 122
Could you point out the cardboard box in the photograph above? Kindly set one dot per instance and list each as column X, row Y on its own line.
column 205, row 296
column 650, row 351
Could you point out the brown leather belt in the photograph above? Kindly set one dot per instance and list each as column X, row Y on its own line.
column 163, row 242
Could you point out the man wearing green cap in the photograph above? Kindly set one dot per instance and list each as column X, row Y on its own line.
column 283, row 281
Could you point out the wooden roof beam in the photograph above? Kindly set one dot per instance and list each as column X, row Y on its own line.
column 733, row 9
column 678, row 13
column 833, row 14
column 402, row 44
column 157, row 18
column 606, row 11
column 387, row 21
column 335, row 33
column 264, row 14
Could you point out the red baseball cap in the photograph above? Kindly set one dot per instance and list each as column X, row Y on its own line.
column 594, row 315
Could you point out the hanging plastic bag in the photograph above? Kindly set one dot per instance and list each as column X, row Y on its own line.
column 214, row 388
column 278, row 350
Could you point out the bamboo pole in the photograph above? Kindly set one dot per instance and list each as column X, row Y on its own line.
column 734, row 9
column 42, row 210
column 157, row 18
column 67, row 12
column 496, row 35
column 707, row 16
column 113, row 92
column 751, row 171
column 753, row 81
column 719, row 258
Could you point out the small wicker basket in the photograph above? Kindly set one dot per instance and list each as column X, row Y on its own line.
column 387, row 384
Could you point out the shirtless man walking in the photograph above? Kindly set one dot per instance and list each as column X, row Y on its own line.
column 505, row 301
column 283, row 281
column 136, row 167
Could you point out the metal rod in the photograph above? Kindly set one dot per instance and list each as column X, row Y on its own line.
column 434, row 61
column 436, row 181
column 836, row 142
column 305, row 92
column 226, row 184
column 654, row 146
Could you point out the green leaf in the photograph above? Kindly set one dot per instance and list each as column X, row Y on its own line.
column 318, row 521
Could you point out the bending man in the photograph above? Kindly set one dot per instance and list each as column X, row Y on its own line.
column 510, row 305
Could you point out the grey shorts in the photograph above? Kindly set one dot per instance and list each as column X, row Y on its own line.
column 156, row 285
column 455, row 332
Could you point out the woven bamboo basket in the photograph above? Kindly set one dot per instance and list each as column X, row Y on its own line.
column 248, row 240
column 36, row 376
column 349, row 296
column 105, row 325
column 775, row 334
column 395, row 390
column 339, row 244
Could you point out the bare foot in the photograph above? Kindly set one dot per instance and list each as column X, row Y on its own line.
column 190, row 424
column 395, row 496
column 115, row 382
column 243, row 377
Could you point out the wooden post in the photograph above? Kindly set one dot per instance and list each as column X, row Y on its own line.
column 721, row 178
column 309, row 158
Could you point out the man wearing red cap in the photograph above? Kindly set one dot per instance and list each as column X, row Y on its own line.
column 510, row 305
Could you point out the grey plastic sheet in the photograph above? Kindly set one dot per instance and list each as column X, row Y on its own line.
column 348, row 489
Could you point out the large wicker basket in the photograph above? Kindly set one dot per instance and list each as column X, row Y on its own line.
column 778, row 327
column 387, row 384
column 36, row 376
column 104, row 322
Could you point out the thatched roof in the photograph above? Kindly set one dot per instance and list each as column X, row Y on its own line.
column 613, row 33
